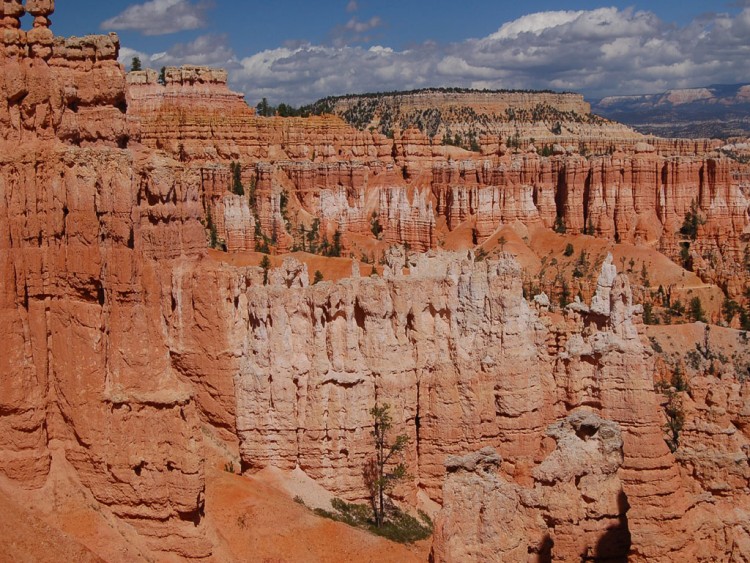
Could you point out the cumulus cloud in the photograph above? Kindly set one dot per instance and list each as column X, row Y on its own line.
column 160, row 17
column 205, row 50
column 353, row 6
column 598, row 52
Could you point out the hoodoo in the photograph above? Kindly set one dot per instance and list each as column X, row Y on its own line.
column 199, row 303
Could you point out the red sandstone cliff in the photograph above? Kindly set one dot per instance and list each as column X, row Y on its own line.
column 124, row 339
column 636, row 190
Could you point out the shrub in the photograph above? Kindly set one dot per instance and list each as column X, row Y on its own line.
column 697, row 314
column 559, row 225
column 569, row 250
column 399, row 526
column 265, row 263
column 675, row 420
column 649, row 317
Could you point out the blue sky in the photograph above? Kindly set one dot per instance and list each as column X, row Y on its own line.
column 297, row 51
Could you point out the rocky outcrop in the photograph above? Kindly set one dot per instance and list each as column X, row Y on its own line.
column 124, row 339
column 639, row 198
column 88, row 265
column 51, row 87
column 616, row 185
column 309, row 408
column 573, row 506
column 92, row 240
column 192, row 89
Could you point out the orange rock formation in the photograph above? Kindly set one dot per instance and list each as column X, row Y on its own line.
column 126, row 343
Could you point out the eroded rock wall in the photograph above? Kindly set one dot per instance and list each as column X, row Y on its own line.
column 122, row 335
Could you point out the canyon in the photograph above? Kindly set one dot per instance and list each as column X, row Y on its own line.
column 148, row 353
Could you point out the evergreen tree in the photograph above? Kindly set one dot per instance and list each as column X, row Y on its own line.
column 697, row 314
column 564, row 294
column 691, row 222
column 135, row 64
column 213, row 239
column 559, row 225
column 236, row 169
column 336, row 245
column 265, row 263
column 375, row 227
column 377, row 476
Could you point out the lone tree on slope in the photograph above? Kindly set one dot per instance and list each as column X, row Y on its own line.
column 377, row 477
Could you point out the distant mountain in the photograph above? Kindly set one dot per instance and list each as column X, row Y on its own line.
column 719, row 110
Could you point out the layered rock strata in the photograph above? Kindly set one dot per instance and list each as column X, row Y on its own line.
column 122, row 337
column 641, row 491
column 89, row 240
column 51, row 87
column 624, row 188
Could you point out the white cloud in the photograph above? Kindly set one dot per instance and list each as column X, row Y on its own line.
column 160, row 17
column 205, row 50
column 598, row 52
column 534, row 23
column 352, row 6
column 127, row 55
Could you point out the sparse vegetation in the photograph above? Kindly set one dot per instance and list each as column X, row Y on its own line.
column 649, row 317
column 673, row 408
column 559, row 226
column 582, row 265
column 730, row 308
column 265, row 264
column 375, row 227
column 399, row 527
column 685, row 258
column 564, row 294
column 692, row 221
column 236, row 170
column 378, row 478
column 675, row 419
column 696, row 312
column 213, row 237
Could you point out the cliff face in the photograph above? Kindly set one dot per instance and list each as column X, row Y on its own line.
column 576, row 509
column 124, row 339
column 623, row 188
column 592, row 492
column 90, row 238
